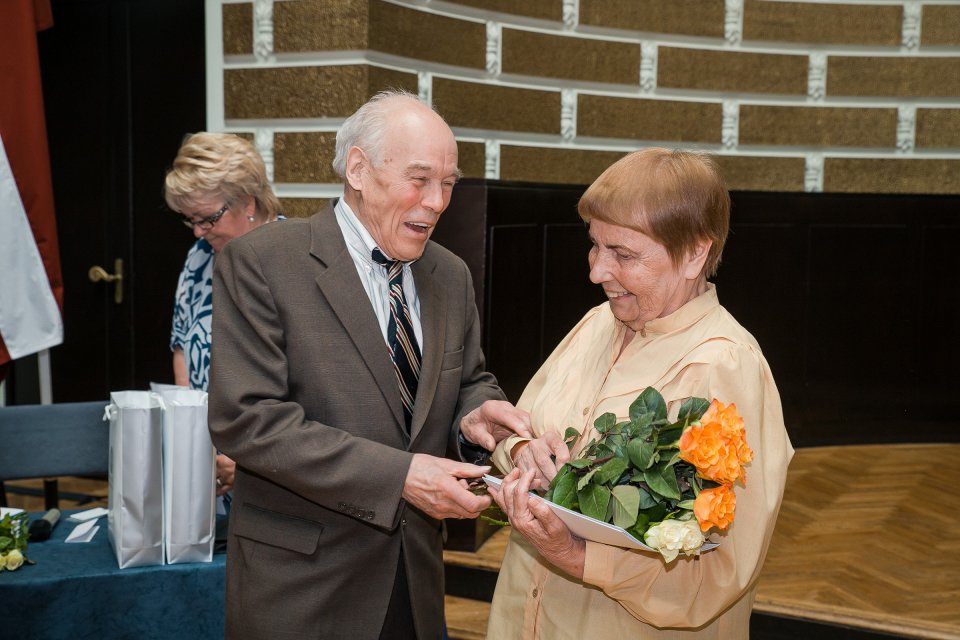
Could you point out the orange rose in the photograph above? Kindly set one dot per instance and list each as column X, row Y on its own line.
column 715, row 507
column 732, row 424
column 717, row 447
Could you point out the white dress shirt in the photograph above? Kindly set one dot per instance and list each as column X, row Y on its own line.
column 374, row 276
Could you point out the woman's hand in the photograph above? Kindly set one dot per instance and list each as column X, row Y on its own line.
column 544, row 456
column 534, row 520
column 226, row 468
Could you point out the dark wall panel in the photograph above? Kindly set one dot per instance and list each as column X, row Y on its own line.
column 514, row 304
column 567, row 290
column 763, row 277
column 852, row 298
column 938, row 344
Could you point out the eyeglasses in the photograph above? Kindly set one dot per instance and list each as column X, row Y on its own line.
column 205, row 223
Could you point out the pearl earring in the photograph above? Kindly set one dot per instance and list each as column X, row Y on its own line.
column 250, row 218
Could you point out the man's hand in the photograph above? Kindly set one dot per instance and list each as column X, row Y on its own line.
column 493, row 421
column 544, row 456
column 436, row 487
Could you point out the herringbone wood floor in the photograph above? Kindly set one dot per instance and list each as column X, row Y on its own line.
column 868, row 536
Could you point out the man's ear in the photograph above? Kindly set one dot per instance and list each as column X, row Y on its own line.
column 356, row 164
column 696, row 258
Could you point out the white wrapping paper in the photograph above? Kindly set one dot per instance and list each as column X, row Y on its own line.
column 135, row 518
column 189, row 473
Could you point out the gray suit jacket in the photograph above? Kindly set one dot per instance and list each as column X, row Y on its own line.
column 304, row 397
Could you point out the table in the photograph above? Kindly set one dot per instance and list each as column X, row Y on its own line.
column 77, row 591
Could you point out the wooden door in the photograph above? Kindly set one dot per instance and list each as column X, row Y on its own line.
column 123, row 82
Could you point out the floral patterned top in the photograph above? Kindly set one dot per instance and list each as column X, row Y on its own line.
column 192, row 313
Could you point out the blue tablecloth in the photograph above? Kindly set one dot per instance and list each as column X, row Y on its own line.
column 77, row 591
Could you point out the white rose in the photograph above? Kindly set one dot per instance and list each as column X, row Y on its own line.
column 670, row 537
column 692, row 537
column 14, row 559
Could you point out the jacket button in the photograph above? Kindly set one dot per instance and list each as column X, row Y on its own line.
column 370, row 515
column 404, row 522
column 534, row 592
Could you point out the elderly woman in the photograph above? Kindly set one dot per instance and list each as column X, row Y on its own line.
column 658, row 220
column 218, row 184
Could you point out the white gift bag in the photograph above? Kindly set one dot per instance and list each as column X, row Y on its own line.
column 189, row 476
column 160, row 387
column 135, row 517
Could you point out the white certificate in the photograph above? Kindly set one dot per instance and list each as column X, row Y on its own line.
column 592, row 529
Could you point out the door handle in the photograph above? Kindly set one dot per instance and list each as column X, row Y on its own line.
column 98, row 273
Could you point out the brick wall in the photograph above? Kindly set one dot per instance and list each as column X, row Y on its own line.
column 854, row 96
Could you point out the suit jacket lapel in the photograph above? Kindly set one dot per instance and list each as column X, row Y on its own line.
column 343, row 291
column 432, row 322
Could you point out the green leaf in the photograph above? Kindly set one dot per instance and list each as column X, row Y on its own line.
column 580, row 463
column 590, row 449
column 669, row 435
column 692, row 409
column 606, row 449
column 626, row 505
column 644, row 423
column 605, row 422
column 640, row 527
column 5, row 542
column 564, row 470
column 640, row 453
column 663, row 481
column 672, row 460
column 646, row 500
column 610, row 471
column 585, row 480
column 650, row 401
column 655, row 513
column 593, row 501
column 686, row 504
column 570, row 437
column 565, row 489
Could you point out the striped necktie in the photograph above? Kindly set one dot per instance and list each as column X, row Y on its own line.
column 400, row 336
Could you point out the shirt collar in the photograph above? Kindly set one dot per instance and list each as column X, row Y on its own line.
column 686, row 315
column 354, row 233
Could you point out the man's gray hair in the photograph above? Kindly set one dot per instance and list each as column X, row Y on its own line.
column 367, row 128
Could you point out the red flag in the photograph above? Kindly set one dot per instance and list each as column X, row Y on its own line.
column 27, row 322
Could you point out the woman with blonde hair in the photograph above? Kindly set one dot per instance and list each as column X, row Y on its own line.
column 218, row 184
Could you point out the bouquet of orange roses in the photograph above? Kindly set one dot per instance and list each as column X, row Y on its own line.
column 665, row 483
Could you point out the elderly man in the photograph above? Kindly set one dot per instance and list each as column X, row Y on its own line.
column 347, row 363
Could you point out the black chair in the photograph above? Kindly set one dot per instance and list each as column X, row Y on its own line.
column 50, row 440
